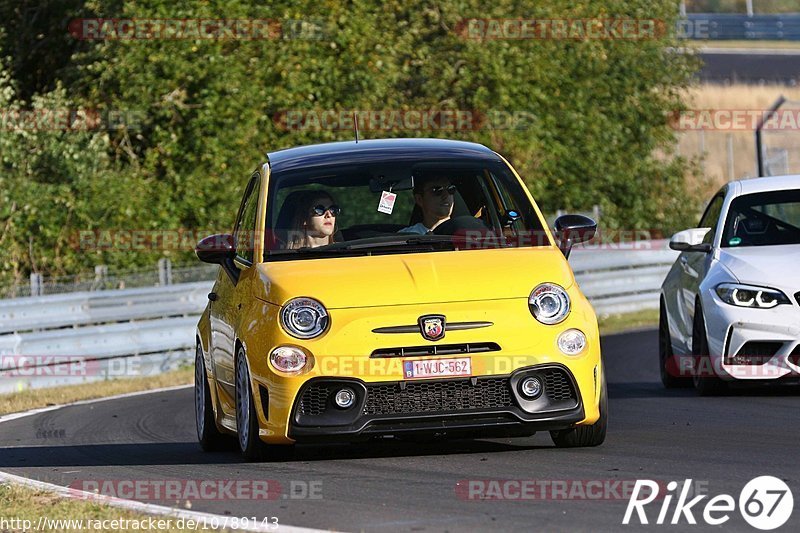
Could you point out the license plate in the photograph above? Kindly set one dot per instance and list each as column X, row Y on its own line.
column 434, row 368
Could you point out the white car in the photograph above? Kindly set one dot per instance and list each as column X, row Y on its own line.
column 730, row 305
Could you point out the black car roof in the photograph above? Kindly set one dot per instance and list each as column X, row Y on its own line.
column 376, row 150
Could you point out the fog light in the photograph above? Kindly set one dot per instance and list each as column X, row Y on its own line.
column 531, row 388
column 289, row 359
column 345, row 398
column 572, row 342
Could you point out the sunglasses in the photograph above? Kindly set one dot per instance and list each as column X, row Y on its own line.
column 320, row 210
column 439, row 189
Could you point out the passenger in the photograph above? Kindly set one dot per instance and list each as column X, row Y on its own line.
column 314, row 221
column 434, row 196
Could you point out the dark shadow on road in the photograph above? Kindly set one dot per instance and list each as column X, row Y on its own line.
column 188, row 453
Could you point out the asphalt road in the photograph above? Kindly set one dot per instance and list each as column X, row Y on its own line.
column 720, row 443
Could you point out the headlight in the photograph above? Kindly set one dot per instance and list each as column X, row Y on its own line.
column 750, row 296
column 304, row 318
column 549, row 303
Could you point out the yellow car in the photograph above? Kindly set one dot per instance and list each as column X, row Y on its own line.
column 395, row 288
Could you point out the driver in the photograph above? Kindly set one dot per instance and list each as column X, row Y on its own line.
column 434, row 196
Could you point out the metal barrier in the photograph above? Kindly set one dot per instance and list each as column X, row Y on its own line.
column 151, row 330
column 741, row 27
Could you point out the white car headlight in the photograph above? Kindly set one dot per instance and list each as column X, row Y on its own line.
column 750, row 296
column 304, row 318
column 549, row 303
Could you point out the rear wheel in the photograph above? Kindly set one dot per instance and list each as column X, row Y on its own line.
column 211, row 439
column 670, row 370
column 706, row 382
column 583, row 436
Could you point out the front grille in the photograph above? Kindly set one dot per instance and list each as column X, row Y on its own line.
column 433, row 349
column 314, row 400
column 557, row 385
column 430, row 396
column 434, row 396
column 755, row 353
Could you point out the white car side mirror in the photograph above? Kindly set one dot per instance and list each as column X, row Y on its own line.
column 690, row 240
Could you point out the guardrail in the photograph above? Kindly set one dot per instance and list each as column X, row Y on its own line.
column 742, row 27
column 146, row 331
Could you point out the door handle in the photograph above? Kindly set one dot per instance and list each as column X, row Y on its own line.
column 212, row 296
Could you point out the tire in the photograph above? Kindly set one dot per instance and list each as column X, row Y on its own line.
column 210, row 437
column 667, row 370
column 251, row 446
column 705, row 386
column 585, row 436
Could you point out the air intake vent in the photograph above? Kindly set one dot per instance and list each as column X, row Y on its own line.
column 794, row 357
column 437, row 349
column 755, row 353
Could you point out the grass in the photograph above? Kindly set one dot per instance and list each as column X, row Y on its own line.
column 620, row 322
column 716, row 166
column 752, row 45
column 23, row 503
column 35, row 398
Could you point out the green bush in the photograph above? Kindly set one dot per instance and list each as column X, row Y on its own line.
column 205, row 112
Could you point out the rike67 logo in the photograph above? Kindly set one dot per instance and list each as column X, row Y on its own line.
column 765, row 503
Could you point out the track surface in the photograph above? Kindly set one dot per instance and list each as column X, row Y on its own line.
column 656, row 434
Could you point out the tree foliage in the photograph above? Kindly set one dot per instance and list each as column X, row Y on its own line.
column 204, row 112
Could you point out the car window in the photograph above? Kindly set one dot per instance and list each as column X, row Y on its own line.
column 763, row 219
column 379, row 202
column 246, row 223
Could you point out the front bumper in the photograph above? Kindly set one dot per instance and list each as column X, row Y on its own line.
column 753, row 344
column 479, row 406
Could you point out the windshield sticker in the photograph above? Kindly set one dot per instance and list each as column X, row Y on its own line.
column 736, row 241
column 386, row 205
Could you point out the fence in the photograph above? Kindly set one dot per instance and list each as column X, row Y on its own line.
column 146, row 331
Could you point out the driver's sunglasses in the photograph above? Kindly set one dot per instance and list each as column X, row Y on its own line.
column 320, row 210
column 439, row 189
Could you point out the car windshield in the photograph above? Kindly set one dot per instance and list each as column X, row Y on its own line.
column 763, row 219
column 398, row 207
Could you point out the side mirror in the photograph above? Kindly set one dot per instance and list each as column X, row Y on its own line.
column 219, row 250
column 572, row 229
column 690, row 240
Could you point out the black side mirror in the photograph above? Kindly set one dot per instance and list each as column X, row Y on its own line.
column 219, row 250
column 572, row 229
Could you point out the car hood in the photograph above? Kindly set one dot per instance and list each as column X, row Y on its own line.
column 772, row 266
column 402, row 279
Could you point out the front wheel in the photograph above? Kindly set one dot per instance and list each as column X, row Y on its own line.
column 250, row 444
column 584, row 436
